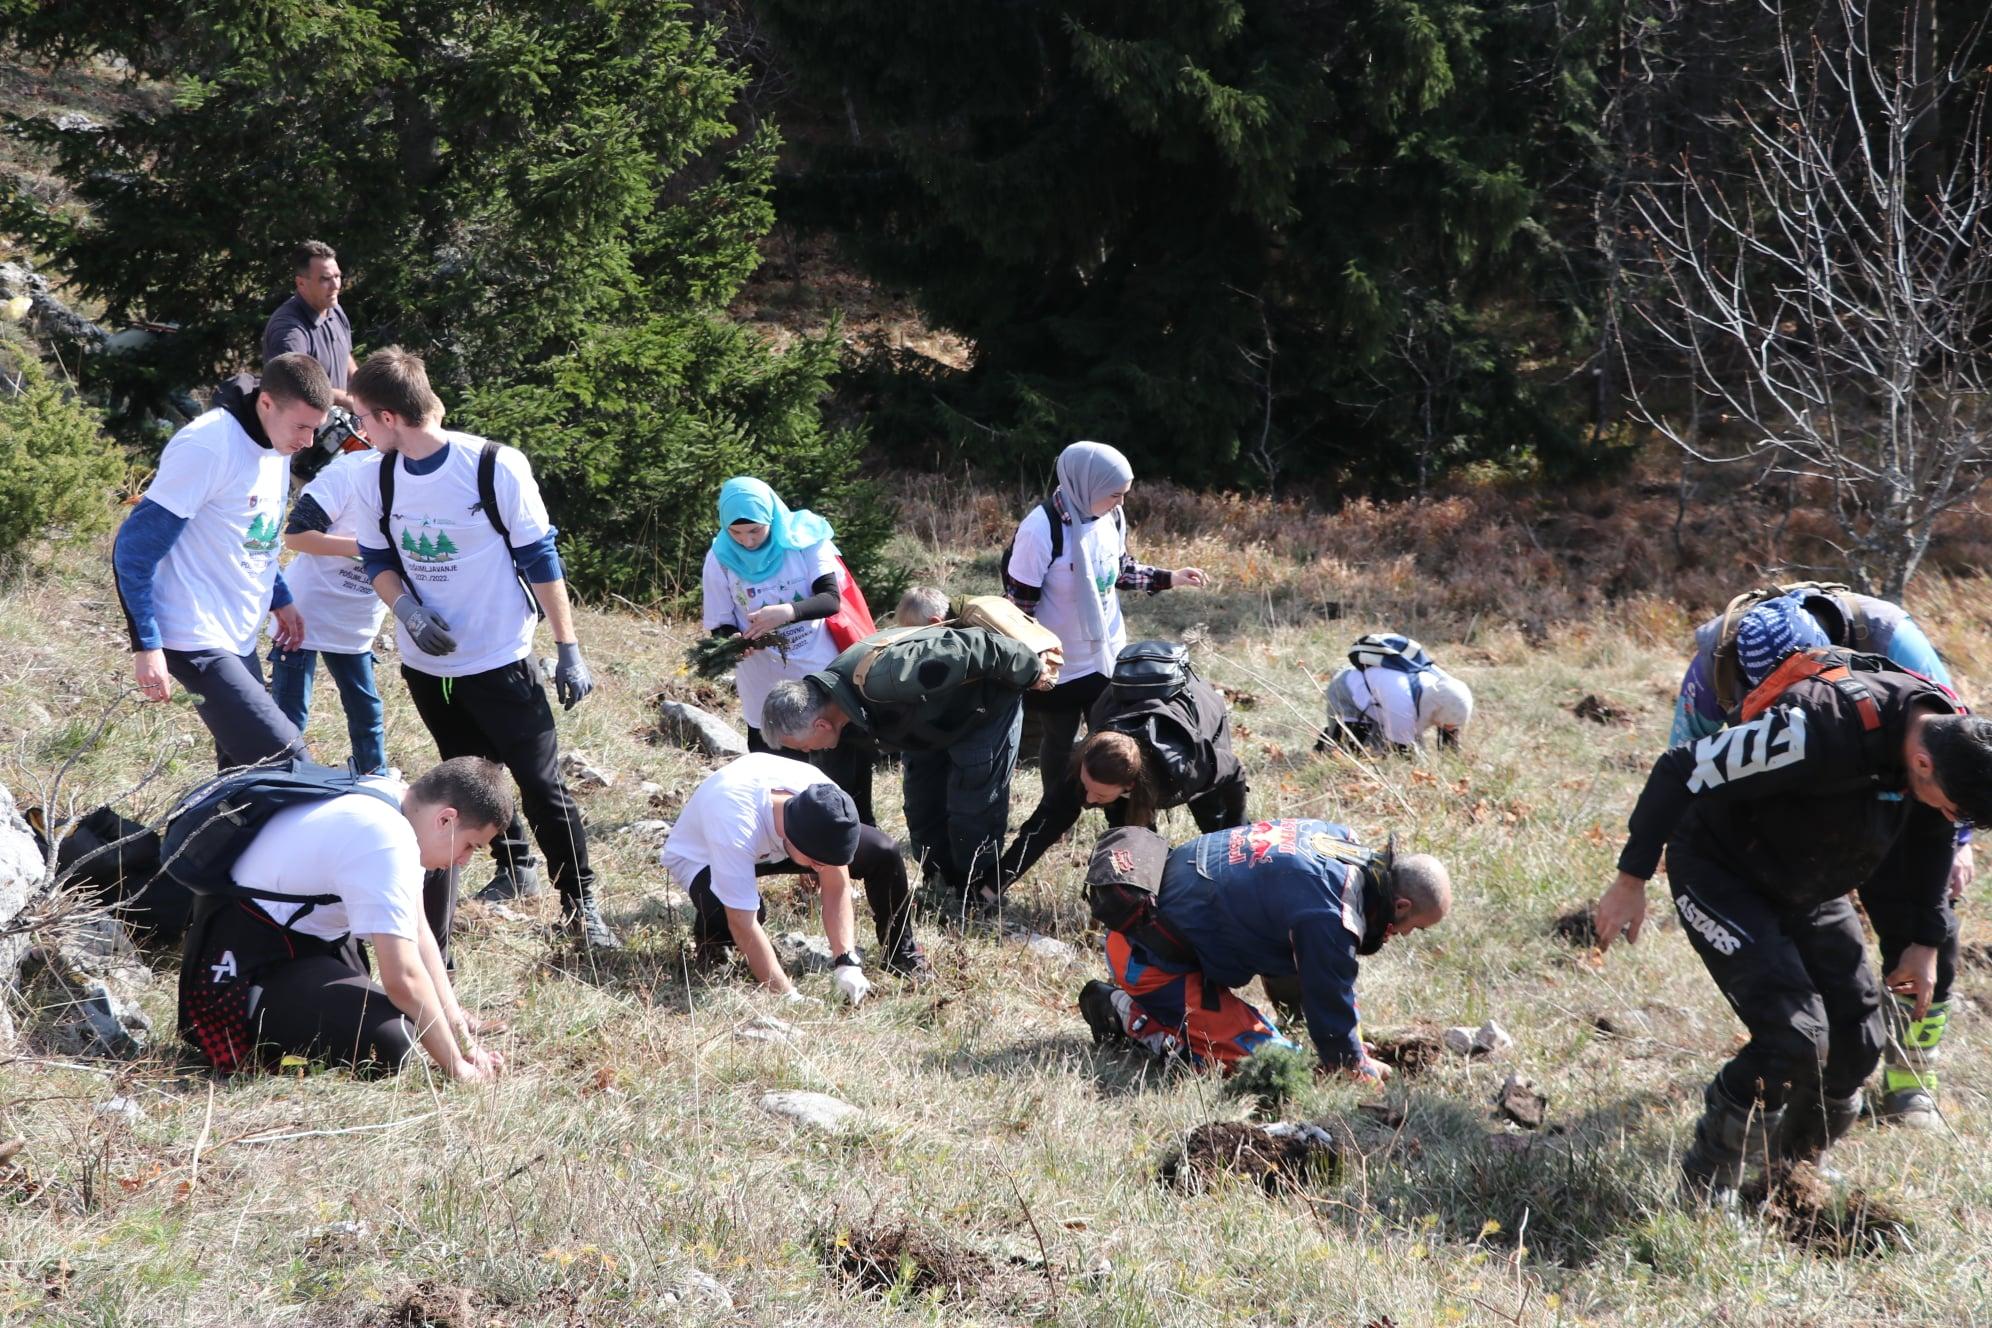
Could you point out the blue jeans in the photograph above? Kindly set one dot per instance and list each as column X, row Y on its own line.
column 958, row 800
column 291, row 676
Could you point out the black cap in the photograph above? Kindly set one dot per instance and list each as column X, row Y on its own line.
column 1128, row 855
column 822, row 823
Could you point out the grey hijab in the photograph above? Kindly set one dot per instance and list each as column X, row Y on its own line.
column 1088, row 472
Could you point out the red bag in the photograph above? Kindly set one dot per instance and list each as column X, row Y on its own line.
column 852, row 622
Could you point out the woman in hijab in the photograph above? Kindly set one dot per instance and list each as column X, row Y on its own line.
column 771, row 576
column 1066, row 568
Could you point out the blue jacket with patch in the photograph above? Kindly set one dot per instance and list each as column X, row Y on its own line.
column 1277, row 898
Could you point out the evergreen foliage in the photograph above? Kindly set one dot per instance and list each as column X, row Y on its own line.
column 1226, row 234
column 58, row 470
column 520, row 192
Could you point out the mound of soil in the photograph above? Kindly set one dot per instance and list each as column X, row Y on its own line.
column 1280, row 1157
column 1812, row 1214
column 433, row 1305
column 1409, row 1053
column 1576, row 928
column 1600, row 711
column 889, row 1256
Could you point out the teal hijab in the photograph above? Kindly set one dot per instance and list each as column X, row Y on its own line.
column 745, row 499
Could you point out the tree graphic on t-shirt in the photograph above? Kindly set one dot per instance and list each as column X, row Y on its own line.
column 444, row 548
column 262, row 534
column 424, row 549
column 407, row 542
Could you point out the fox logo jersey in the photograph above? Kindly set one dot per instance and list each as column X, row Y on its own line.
column 1772, row 741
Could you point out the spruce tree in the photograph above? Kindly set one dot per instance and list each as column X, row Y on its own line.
column 1224, row 234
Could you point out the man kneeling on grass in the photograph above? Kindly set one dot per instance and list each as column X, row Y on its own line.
column 1278, row 900
column 274, row 963
column 765, row 815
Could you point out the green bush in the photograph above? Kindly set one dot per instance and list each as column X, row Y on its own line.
column 57, row 468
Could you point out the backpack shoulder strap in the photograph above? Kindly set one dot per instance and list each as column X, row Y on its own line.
column 389, row 462
column 1818, row 663
column 487, row 489
column 1057, row 524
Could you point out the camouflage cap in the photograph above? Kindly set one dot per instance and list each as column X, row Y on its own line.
column 1128, row 855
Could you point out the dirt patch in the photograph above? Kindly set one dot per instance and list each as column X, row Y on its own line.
column 701, row 692
column 1409, row 1053
column 1576, row 928
column 902, row 1257
column 433, row 1305
column 1812, row 1214
column 1600, row 711
column 1280, row 1157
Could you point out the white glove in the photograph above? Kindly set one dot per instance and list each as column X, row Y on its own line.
column 852, row 984
column 794, row 997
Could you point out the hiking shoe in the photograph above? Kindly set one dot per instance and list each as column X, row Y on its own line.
column 909, row 961
column 707, row 957
column 508, row 883
column 584, row 921
column 1096, row 1007
column 1911, row 1108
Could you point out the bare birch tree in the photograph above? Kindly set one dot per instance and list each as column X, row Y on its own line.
column 1832, row 300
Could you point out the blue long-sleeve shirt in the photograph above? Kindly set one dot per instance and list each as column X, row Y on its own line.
column 1272, row 898
column 141, row 545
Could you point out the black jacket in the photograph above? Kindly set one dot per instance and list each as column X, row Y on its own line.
column 930, row 688
column 1803, row 802
column 1189, row 733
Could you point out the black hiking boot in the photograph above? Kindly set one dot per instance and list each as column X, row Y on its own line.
column 1728, row 1137
column 909, row 961
column 509, row 883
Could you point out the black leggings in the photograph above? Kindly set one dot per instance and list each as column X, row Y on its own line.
column 1216, row 808
column 877, row 866
column 1059, row 713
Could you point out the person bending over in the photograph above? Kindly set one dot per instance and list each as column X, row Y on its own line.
column 1289, row 899
column 266, row 977
column 764, row 814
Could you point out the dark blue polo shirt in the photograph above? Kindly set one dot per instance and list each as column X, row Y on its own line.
column 295, row 327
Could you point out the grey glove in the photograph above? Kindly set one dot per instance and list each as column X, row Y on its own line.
column 426, row 627
column 571, row 679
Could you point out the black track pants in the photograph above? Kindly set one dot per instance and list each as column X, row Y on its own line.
column 503, row 715
column 877, row 867
column 1798, row 980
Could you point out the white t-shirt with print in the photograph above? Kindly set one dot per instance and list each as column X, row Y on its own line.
column 728, row 824
column 1089, row 564
column 728, row 599
column 342, row 615
column 212, row 589
column 455, row 561
column 353, row 846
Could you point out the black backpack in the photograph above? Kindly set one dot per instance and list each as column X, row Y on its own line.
column 487, row 503
column 1151, row 670
column 207, row 833
column 1012, row 586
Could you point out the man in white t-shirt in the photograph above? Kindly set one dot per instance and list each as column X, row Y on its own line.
column 342, row 615
column 764, row 814
column 463, row 571
column 1391, row 692
column 196, row 561
column 262, row 978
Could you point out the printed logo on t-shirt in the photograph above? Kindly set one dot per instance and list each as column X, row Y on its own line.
column 439, row 549
column 261, row 537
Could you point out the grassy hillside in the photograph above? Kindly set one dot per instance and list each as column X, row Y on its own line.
column 1002, row 1170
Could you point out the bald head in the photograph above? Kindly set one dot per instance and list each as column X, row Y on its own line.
column 1421, row 893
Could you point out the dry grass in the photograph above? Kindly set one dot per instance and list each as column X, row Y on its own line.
column 628, row 1148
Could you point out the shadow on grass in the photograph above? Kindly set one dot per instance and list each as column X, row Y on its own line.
column 1115, row 1072
column 1557, row 1197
